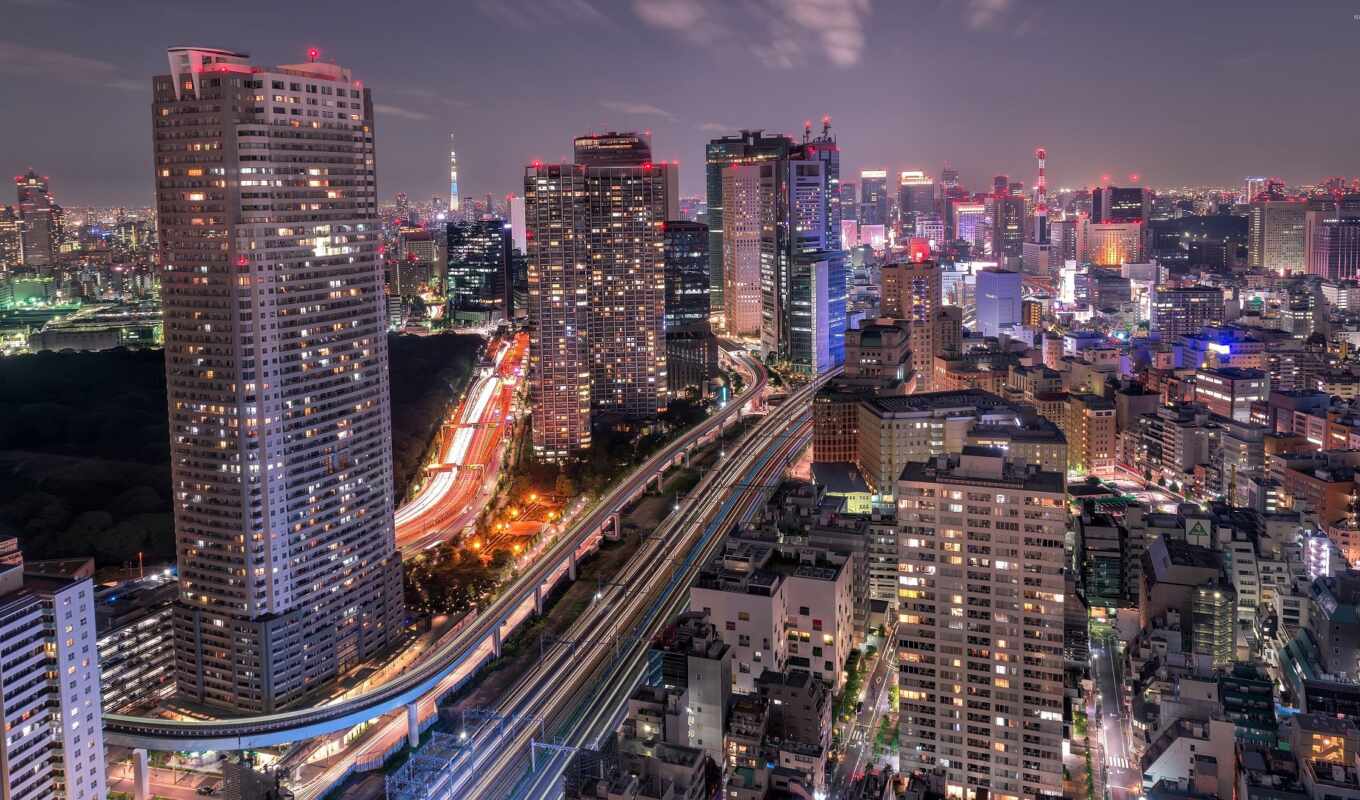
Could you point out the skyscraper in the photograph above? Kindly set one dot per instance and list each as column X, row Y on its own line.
column 873, row 197
column 749, row 207
column 479, row 278
column 691, row 349
column 11, row 239
column 40, row 220
column 595, row 231
column 849, row 201
column 276, row 368
column 912, row 291
column 1008, row 227
column 455, row 205
column 747, row 147
column 1185, row 311
column 802, row 267
column 915, row 199
column 1276, row 232
column 1121, row 204
column 1332, row 238
column 1008, row 734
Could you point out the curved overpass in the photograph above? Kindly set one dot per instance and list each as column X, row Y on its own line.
column 479, row 642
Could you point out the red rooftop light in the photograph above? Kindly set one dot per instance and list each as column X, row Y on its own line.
column 313, row 53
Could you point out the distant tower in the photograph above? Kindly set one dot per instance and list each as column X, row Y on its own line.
column 1041, row 201
column 453, row 178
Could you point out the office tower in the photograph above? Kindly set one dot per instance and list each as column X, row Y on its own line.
column 1185, row 311
column 691, row 349
column 53, row 744
column 998, row 300
column 1110, row 244
column 418, row 268
column 478, row 268
column 969, row 223
column 1091, row 434
column 455, row 205
column 597, row 285
column 1008, row 227
column 1001, row 185
column 911, row 291
column 40, row 218
column 915, row 199
column 11, row 239
column 1252, row 187
column 1332, row 239
column 803, row 280
column 849, row 204
column 1008, row 738
column 516, row 204
column 747, row 147
column 873, row 197
column 748, row 209
column 276, row 368
column 1121, row 204
column 1276, row 232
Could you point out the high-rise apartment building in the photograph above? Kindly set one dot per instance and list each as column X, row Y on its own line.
column 479, row 267
column 980, row 623
column 1332, row 238
column 597, row 286
column 1185, row 311
column 873, row 197
column 40, row 220
column 53, row 744
column 747, row 147
column 1276, row 233
column 276, row 368
column 11, row 239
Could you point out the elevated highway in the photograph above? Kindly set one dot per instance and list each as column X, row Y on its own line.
column 448, row 665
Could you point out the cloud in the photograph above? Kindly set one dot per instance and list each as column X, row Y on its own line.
column 716, row 127
column 431, row 96
column 983, row 14
column 779, row 33
column 42, row 62
column 640, row 109
column 398, row 111
column 532, row 15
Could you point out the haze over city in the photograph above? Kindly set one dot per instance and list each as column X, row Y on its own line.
column 1166, row 90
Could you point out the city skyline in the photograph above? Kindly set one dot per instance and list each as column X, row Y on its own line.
column 463, row 75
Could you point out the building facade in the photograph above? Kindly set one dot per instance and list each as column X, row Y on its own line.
column 981, row 610
column 276, row 365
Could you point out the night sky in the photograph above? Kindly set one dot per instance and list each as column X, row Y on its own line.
column 1187, row 92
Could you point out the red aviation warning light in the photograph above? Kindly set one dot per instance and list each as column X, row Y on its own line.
column 313, row 54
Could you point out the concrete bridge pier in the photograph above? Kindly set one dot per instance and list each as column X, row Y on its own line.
column 141, row 775
column 571, row 566
column 496, row 642
column 538, row 600
column 413, row 724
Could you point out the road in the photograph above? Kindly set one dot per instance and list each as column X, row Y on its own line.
column 576, row 694
column 1123, row 777
column 470, row 461
column 164, row 782
column 860, row 745
column 448, row 662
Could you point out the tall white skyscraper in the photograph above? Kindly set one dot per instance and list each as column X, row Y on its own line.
column 49, row 686
column 276, row 366
column 980, row 623
column 455, row 205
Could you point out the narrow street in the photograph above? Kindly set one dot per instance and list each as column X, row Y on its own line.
column 1123, row 778
column 860, row 744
